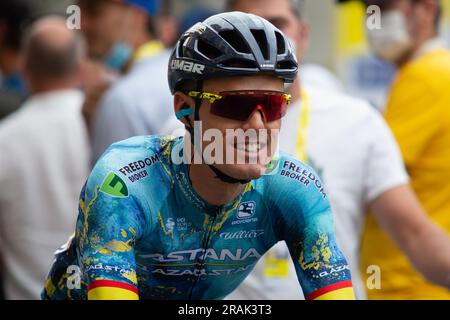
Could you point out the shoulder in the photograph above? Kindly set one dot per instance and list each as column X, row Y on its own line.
column 336, row 100
column 431, row 71
column 341, row 107
column 437, row 60
column 16, row 125
column 148, row 73
column 140, row 91
column 134, row 163
column 295, row 196
column 292, row 178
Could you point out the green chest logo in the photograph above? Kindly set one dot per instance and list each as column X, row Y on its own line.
column 114, row 186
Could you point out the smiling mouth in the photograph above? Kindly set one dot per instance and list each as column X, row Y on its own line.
column 250, row 147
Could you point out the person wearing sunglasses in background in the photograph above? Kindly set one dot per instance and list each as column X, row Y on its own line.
column 353, row 150
column 154, row 225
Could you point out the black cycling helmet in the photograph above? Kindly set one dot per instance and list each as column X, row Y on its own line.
column 231, row 44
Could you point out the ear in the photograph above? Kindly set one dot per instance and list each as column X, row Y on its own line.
column 183, row 107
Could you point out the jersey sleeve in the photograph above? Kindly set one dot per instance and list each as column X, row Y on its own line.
column 304, row 220
column 109, row 223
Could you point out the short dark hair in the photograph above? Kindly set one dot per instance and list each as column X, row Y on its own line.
column 16, row 15
column 297, row 6
column 46, row 61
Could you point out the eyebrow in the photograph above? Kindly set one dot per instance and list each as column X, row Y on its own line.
column 277, row 20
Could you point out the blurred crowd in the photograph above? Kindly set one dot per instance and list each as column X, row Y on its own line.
column 67, row 93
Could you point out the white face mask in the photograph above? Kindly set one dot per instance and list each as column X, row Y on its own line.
column 393, row 40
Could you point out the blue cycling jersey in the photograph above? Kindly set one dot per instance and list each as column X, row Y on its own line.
column 141, row 225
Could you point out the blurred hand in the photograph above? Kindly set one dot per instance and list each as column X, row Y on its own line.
column 95, row 79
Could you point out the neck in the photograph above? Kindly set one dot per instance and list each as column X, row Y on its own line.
column 140, row 39
column 412, row 54
column 212, row 190
column 37, row 87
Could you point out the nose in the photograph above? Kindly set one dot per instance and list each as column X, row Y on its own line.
column 256, row 120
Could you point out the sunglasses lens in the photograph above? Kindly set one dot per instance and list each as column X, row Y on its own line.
column 276, row 108
column 240, row 105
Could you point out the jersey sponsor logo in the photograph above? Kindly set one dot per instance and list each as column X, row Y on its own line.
column 211, row 254
column 108, row 268
column 138, row 176
column 183, row 225
column 187, row 66
column 202, row 272
column 114, row 186
column 134, row 171
column 246, row 210
column 243, row 234
column 334, row 270
column 305, row 177
column 245, row 213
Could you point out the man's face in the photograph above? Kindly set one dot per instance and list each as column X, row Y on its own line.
column 102, row 23
column 416, row 13
column 253, row 148
column 280, row 14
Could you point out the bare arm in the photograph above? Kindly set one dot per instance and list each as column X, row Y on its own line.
column 427, row 246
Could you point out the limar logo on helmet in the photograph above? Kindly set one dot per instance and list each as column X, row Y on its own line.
column 187, row 66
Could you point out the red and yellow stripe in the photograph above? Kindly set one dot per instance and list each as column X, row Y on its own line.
column 112, row 290
column 337, row 291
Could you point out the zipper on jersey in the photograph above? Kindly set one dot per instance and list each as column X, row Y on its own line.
column 205, row 242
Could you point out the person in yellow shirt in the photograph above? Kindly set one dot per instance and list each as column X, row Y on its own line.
column 418, row 112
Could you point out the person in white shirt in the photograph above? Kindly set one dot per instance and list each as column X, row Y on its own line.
column 350, row 146
column 44, row 159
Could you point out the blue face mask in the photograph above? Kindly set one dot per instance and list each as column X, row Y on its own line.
column 118, row 56
column 15, row 83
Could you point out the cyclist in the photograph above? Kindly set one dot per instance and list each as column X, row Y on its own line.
column 153, row 227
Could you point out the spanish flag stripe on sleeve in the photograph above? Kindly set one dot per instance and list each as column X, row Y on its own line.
column 112, row 290
column 342, row 290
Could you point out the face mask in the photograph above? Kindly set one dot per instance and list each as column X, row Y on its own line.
column 119, row 55
column 392, row 41
column 15, row 83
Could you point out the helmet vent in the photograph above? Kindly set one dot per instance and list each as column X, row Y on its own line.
column 235, row 40
column 239, row 63
column 208, row 50
column 286, row 65
column 280, row 43
column 261, row 39
column 181, row 47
